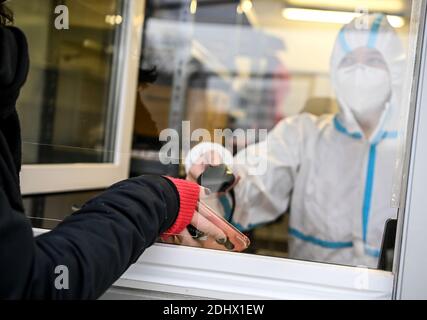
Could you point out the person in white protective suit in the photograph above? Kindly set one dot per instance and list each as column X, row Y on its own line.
column 334, row 172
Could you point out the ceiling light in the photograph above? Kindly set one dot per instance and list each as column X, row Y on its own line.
column 396, row 21
column 246, row 5
column 326, row 16
column 387, row 6
column 193, row 6
column 113, row 19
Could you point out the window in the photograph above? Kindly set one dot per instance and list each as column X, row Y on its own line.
column 76, row 138
column 267, row 65
column 331, row 98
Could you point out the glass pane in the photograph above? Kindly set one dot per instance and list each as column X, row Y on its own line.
column 325, row 79
column 47, row 211
column 66, row 106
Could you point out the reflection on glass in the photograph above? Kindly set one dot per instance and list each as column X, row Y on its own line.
column 324, row 79
column 47, row 211
column 66, row 105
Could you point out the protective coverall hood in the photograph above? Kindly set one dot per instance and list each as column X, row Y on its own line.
column 375, row 32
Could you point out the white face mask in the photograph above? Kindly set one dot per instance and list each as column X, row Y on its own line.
column 363, row 89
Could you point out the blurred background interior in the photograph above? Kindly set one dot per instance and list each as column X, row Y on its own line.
column 221, row 64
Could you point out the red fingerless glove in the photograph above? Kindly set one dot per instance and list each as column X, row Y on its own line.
column 188, row 197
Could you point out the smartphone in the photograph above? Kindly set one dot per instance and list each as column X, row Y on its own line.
column 236, row 241
column 218, row 178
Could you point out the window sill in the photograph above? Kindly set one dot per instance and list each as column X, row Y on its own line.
column 224, row 275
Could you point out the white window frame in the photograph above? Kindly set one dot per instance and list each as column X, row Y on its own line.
column 223, row 275
column 51, row 178
column 410, row 262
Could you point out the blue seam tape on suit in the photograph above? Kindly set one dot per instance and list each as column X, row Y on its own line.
column 322, row 243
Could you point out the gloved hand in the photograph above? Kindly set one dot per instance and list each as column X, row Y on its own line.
column 204, row 155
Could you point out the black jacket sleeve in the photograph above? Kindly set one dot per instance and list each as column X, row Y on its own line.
column 96, row 244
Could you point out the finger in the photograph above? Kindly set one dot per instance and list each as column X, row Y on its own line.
column 213, row 158
column 204, row 192
column 195, row 171
column 208, row 228
column 188, row 240
column 211, row 243
column 199, row 166
column 172, row 239
column 236, row 181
